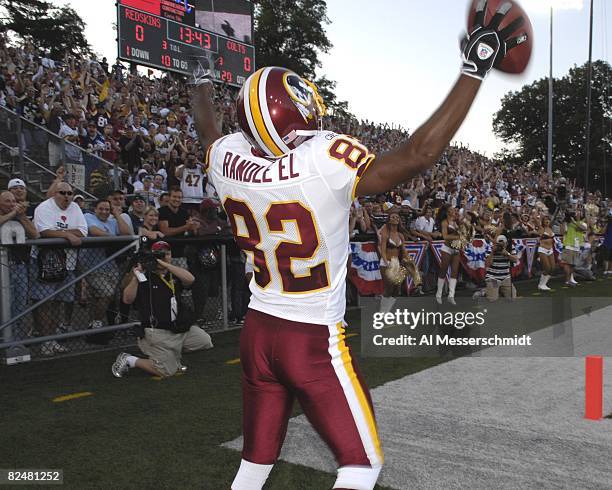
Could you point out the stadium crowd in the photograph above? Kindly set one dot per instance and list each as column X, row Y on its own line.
column 143, row 126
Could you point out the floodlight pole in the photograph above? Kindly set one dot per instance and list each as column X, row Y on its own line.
column 550, row 101
column 588, row 122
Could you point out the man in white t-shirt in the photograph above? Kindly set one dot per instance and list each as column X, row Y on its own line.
column 424, row 225
column 57, row 217
column 424, row 228
column 192, row 176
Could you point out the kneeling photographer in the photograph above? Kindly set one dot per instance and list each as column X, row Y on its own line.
column 155, row 287
column 499, row 264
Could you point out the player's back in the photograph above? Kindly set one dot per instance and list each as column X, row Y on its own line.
column 291, row 215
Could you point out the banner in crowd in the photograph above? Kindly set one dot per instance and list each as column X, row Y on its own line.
column 473, row 258
column 75, row 174
column 436, row 250
column 558, row 247
column 365, row 269
column 474, row 255
column 518, row 248
column 531, row 245
column 416, row 251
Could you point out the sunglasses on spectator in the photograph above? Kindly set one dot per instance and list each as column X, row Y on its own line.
column 65, row 193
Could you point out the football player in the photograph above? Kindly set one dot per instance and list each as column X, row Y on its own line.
column 287, row 187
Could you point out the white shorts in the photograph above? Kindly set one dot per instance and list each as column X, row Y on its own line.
column 450, row 251
column 545, row 251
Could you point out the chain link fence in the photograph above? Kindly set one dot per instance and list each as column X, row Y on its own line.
column 80, row 310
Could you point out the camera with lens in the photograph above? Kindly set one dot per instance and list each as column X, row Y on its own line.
column 146, row 257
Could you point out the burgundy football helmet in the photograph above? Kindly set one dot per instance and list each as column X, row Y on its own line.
column 278, row 110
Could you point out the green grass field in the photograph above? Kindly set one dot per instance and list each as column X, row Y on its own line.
column 139, row 432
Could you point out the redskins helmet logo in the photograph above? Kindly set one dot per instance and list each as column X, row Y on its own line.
column 299, row 92
column 297, row 88
column 274, row 106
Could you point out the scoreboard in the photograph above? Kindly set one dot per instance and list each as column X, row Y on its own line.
column 163, row 34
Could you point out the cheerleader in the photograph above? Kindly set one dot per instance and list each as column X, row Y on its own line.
column 546, row 252
column 447, row 223
column 392, row 252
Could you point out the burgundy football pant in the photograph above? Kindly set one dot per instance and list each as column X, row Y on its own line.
column 283, row 360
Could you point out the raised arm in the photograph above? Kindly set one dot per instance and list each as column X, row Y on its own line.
column 204, row 112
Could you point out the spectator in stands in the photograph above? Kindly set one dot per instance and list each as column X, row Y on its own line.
column 11, row 210
column 18, row 188
column 57, row 217
column 80, row 200
column 162, row 138
column 117, row 200
column 19, row 258
column 92, row 140
column 137, row 212
column 424, row 225
column 70, row 133
column 573, row 230
column 131, row 143
column 164, row 199
column 158, row 184
column 173, row 219
column 112, row 149
column 498, row 276
column 192, row 176
column 165, row 331
column 363, row 224
column 150, row 224
column 54, row 124
column 106, row 220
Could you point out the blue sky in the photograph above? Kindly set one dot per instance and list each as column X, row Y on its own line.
column 395, row 61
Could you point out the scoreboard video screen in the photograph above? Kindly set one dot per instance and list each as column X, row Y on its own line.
column 180, row 35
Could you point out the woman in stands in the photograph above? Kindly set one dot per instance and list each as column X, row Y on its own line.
column 150, row 227
column 448, row 224
column 546, row 252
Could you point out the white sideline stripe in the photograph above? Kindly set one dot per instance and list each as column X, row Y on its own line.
column 352, row 399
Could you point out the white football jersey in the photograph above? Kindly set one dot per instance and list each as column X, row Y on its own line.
column 290, row 215
column 192, row 184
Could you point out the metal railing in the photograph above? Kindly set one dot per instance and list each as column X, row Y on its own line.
column 38, row 146
column 98, row 271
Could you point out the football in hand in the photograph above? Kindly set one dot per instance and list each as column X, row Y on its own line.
column 517, row 59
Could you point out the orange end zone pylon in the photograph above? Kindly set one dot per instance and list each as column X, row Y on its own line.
column 593, row 405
